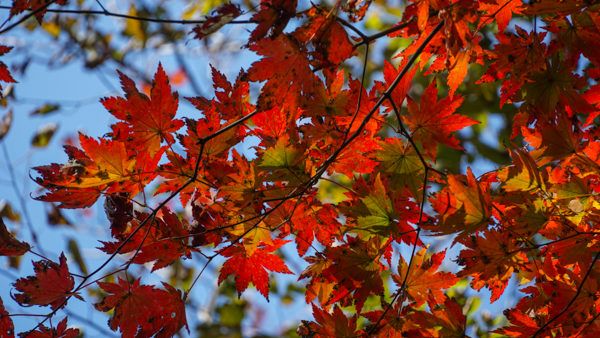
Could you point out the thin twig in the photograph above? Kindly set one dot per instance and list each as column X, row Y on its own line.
column 22, row 203
column 383, row 33
column 113, row 14
column 202, row 144
column 27, row 16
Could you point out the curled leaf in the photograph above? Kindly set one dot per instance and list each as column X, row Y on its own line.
column 45, row 109
column 9, row 245
column 7, row 328
column 221, row 16
column 44, row 135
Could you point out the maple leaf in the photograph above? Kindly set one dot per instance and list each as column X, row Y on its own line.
column 5, row 75
column 350, row 271
column 252, row 268
column 578, row 34
column 401, row 164
column 423, row 280
column 143, row 310
column 522, row 325
column 551, row 142
column 334, row 324
column 501, row 10
column 7, row 328
column 445, row 320
column 331, row 42
column 319, row 287
column 164, row 243
column 60, row 331
column 381, row 218
column 473, row 197
column 206, row 127
column 391, row 323
column 398, row 157
column 432, row 121
column 310, row 222
column 100, row 165
column 286, row 69
column 457, row 74
column 390, row 73
column 523, row 175
column 421, row 9
column 330, row 98
column 272, row 17
column 284, row 162
column 463, row 206
column 119, row 212
column 254, row 236
column 147, row 120
column 9, row 245
column 51, row 285
column 491, row 261
column 37, row 6
column 232, row 100
column 515, row 57
column 356, row 157
column 243, row 184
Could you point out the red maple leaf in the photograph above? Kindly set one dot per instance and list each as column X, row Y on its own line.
column 314, row 222
column 19, row 6
column 143, row 310
column 5, row 75
column 286, row 69
column 7, row 328
column 501, row 10
column 165, row 242
column 445, row 320
column 398, row 95
column 254, row 267
column 432, row 121
column 423, row 281
column 51, row 285
column 334, row 324
column 491, row 261
column 328, row 36
column 232, row 100
column 103, row 165
column 272, row 18
column 147, row 120
column 522, row 325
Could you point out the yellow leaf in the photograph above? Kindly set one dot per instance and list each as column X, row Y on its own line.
column 134, row 28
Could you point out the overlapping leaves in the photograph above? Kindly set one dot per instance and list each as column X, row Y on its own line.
column 534, row 219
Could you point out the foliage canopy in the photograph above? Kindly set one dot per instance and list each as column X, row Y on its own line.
column 347, row 152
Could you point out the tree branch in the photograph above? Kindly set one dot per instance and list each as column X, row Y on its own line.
column 113, row 14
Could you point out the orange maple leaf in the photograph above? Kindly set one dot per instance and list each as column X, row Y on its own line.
column 432, row 121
